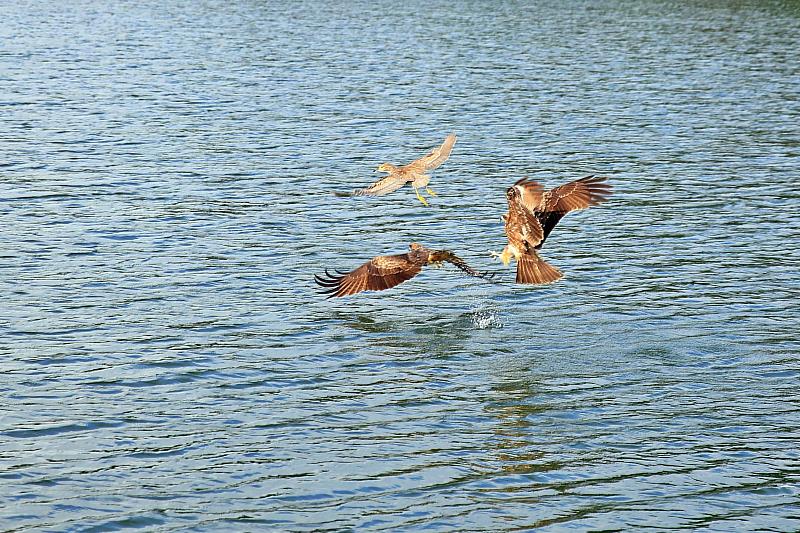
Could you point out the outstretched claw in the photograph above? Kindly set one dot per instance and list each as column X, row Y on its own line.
column 504, row 256
column 430, row 191
column 420, row 198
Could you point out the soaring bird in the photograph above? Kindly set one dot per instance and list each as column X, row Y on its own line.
column 414, row 173
column 386, row 271
column 532, row 215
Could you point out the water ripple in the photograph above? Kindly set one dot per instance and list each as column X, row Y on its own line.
column 169, row 172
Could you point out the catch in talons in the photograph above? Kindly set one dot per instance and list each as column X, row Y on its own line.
column 415, row 173
column 387, row 271
column 532, row 215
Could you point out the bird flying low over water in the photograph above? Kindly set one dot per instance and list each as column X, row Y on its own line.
column 414, row 173
column 386, row 271
column 532, row 215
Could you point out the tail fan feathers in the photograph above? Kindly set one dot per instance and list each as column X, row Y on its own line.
column 532, row 269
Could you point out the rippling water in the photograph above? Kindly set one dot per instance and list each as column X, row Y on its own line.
column 167, row 171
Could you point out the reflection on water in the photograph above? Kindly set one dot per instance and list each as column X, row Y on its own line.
column 167, row 197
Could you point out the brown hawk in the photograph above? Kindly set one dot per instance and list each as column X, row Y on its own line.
column 386, row 271
column 532, row 215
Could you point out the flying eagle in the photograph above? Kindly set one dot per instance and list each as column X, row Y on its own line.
column 532, row 215
column 386, row 271
column 414, row 173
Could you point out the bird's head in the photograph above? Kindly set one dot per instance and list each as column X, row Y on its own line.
column 386, row 167
column 419, row 253
column 512, row 193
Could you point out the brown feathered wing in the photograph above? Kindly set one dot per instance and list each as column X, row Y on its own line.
column 379, row 273
column 525, row 233
column 523, row 229
column 551, row 206
column 530, row 193
column 453, row 259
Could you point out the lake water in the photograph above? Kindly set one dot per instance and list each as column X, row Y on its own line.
column 167, row 170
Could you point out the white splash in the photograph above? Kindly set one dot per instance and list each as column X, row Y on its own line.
column 484, row 317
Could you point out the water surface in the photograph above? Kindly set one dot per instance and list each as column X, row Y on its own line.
column 167, row 169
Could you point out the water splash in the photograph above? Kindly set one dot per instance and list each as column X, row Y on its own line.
column 486, row 316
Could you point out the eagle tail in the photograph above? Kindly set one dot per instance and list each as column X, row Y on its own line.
column 532, row 269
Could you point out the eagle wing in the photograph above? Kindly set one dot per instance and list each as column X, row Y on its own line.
column 523, row 229
column 436, row 157
column 379, row 273
column 453, row 259
column 576, row 195
column 526, row 234
column 530, row 192
column 573, row 196
column 383, row 186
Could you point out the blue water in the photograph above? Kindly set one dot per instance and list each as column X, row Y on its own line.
column 167, row 176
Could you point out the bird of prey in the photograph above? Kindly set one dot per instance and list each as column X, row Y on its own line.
column 532, row 215
column 386, row 271
column 415, row 173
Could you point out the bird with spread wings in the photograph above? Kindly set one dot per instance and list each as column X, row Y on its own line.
column 532, row 215
column 415, row 173
column 387, row 271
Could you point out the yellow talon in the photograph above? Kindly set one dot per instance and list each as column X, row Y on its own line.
column 421, row 199
column 504, row 256
column 430, row 191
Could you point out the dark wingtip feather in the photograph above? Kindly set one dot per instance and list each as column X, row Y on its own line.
column 331, row 285
column 333, row 293
column 328, row 281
